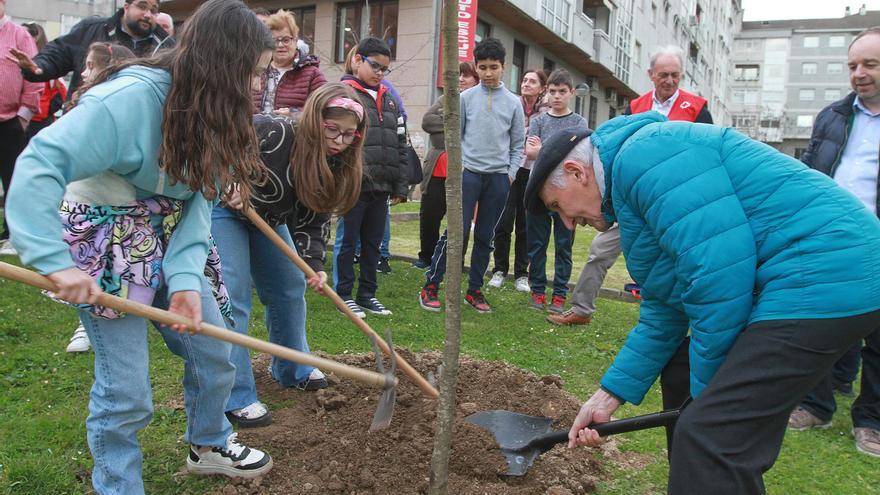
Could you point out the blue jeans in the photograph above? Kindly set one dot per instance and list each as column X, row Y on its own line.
column 121, row 403
column 384, row 251
column 490, row 190
column 538, row 236
column 247, row 256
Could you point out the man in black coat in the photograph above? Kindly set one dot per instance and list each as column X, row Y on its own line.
column 133, row 26
column 844, row 146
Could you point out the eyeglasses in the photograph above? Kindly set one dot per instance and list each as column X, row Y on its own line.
column 332, row 132
column 284, row 40
column 378, row 69
column 146, row 5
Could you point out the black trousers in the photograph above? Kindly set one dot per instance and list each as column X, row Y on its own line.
column 11, row 145
column 513, row 220
column 364, row 222
column 431, row 213
column 731, row 434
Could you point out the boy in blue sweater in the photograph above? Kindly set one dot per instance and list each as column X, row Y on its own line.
column 492, row 139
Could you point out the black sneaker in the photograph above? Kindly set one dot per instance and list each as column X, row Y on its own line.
column 234, row 460
column 353, row 306
column 476, row 299
column 373, row 306
column 421, row 264
column 383, row 267
column 252, row 416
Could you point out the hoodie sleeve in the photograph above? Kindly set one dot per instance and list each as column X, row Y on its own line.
column 517, row 139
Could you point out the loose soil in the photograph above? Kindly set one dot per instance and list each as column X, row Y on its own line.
column 320, row 443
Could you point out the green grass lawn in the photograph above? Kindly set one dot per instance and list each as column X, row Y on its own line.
column 43, row 404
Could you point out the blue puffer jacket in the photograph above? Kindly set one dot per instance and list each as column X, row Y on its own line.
column 722, row 231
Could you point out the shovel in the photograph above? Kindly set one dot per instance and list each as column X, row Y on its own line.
column 523, row 438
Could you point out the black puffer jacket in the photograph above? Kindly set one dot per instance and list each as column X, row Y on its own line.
column 385, row 169
column 68, row 53
column 830, row 132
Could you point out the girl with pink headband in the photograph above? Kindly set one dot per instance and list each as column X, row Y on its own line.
column 314, row 171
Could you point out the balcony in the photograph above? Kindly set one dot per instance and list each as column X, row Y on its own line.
column 582, row 34
column 605, row 51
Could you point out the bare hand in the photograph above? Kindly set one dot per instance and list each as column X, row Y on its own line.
column 533, row 147
column 284, row 112
column 23, row 60
column 318, row 281
column 233, row 199
column 396, row 200
column 597, row 409
column 187, row 303
column 75, row 286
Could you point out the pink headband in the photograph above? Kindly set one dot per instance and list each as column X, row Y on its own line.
column 348, row 104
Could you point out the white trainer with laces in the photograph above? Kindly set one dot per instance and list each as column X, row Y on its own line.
column 497, row 280
column 79, row 342
column 6, row 249
column 522, row 284
column 251, row 416
column 234, row 460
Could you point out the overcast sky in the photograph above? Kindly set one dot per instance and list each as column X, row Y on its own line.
column 765, row 10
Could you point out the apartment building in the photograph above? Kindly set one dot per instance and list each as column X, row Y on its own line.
column 786, row 71
column 58, row 16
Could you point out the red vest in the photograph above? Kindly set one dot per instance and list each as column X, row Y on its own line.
column 686, row 107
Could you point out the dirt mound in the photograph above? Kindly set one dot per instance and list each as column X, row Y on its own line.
column 321, row 445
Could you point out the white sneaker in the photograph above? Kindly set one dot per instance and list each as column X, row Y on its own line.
column 234, row 460
column 497, row 280
column 6, row 249
column 252, row 416
column 522, row 284
column 79, row 342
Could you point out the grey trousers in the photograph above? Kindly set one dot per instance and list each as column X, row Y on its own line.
column 604, row 251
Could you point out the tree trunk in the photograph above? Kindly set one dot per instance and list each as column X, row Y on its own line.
column 439, row 475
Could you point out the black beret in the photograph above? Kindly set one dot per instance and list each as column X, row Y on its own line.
column 553, row 151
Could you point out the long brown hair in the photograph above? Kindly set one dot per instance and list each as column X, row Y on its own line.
column 208, row 138
column 326, row 186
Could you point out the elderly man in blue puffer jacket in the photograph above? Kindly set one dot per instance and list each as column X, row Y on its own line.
column 746, row 247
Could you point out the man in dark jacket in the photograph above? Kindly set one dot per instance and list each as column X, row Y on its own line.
column 844, row 146
column 133, row 26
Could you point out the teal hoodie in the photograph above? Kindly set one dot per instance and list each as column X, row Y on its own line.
column 722, row 231
column 117, row 127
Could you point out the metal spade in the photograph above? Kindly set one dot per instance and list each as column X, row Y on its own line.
column 523, row 438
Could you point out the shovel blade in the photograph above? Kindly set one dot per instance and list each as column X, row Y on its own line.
column 513, row 432
column 385, row 409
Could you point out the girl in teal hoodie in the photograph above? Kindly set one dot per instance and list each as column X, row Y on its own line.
column 167, row 135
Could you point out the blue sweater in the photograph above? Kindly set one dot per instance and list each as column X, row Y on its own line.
column 492, row 130
column 117, row 127
column 722, row 231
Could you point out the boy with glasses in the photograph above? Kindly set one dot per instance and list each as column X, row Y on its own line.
column 385, row 176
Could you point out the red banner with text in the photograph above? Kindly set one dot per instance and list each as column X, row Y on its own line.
column 467, row 27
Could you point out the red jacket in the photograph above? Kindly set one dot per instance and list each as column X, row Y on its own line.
column 686, row 107
column 52, row 98
column 295, row 86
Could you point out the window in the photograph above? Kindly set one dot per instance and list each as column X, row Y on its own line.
column 832, row 94
column 750, row 97
column 653, row 14
column 638, row 55
column 739, row 97
column 743, row 121
column 807, row 94
column 808, row 68
column 612, row 112
column 594, row 108
column 517, row 65
column 836, row 41
column 834, row 68
column 484, row 30
column 799, row 152
column 811, row 41
column 305, row 19
column 746, row 72
column 549, row 65
column 805, row 121
column 556, row 14
column 355, row 21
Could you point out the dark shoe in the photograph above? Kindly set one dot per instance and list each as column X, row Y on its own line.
column 428, row 298
column 867, row 441
column 373, row 306
column 315, row 381
column 557, row 305
column 353, row 306
column 843, row 388
column 568, row 319
column 357, row 259
column 421, row 264
column 476, row 299
column 802, row 420
column 233, row 460
column 252, row 416
column 538, row 301
column 383, row 267
column 634, row 289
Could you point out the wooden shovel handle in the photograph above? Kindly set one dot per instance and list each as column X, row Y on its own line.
column 115, row 303
column 410, row 372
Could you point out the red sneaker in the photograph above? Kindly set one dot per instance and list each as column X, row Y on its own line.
column 557, row 305
column 476, row 299
column 428, row 298
column 539, row 300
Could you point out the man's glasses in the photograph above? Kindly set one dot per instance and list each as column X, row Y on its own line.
column 332, row 132
column 284, row 40
column 378, row 69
